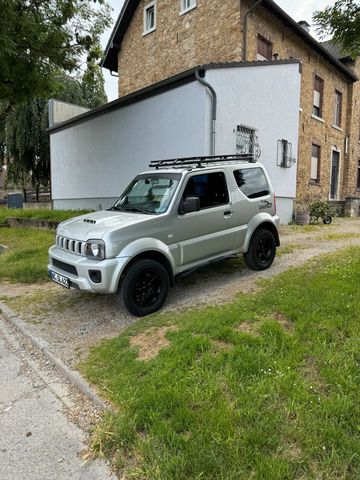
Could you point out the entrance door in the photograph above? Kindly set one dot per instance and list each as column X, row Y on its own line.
column 334, row 178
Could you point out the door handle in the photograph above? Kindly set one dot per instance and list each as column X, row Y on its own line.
column 227, row 213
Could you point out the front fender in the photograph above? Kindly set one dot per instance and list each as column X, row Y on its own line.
column 261, row 218
column 143, row 245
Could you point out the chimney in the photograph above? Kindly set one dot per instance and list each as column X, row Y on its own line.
column 305, row 25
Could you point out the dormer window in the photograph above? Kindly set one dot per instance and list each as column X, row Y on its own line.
column 149, row 17
column 187, row 5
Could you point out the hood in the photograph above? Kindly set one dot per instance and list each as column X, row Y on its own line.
column 95, row 225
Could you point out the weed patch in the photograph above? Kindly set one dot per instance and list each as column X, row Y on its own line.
column 25, row 259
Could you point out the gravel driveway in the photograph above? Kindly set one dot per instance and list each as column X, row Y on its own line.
column 71, row 321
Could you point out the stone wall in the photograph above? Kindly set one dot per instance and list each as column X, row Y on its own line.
column 209, row 33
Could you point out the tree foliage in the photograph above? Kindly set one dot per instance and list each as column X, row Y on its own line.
column 39, row 38
column 342, row 22
column 24, row 141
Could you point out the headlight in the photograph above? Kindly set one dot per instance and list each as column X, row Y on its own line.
column 95, row 249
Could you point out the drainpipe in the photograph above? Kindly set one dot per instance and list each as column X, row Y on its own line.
column 213, row 109
column 246, row 28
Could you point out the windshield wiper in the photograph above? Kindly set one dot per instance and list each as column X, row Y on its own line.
column 131, row 209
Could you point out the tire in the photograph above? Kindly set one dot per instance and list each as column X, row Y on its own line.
column 262, row 250
column 327, row 219
column 145, row 287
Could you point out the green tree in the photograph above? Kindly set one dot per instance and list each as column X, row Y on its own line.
column 24, row 142
column 342, row 22
column 39, row 38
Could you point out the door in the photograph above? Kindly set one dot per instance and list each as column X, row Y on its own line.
column 334, row 175
column 211, row 231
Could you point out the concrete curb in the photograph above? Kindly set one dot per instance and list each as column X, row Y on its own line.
column 74, row 377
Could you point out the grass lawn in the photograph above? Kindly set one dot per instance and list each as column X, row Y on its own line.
column 39, row 214
column 267, row 387
column 26, row 259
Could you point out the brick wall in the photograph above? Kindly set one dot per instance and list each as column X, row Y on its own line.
column 211, row 32
column 287, row 44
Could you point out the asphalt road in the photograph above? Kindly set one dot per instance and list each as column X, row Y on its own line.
column 37, row 439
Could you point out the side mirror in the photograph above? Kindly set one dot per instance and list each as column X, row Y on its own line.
column 191, row 204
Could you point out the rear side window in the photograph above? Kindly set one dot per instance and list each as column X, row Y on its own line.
column 210, row 188
column 252, row 182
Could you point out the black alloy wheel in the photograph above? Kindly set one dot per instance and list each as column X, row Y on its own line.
column 262, row 250
column 145, row 287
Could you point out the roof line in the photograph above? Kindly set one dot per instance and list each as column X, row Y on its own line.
column 170, row 83
column 309, row 38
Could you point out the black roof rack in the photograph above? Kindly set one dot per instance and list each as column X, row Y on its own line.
column 199, row 161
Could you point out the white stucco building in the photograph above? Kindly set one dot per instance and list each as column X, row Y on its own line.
column 96, row 154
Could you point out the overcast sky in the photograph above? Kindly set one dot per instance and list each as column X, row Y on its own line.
column 297, row 10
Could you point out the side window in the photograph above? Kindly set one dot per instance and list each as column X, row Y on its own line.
column 252, row 182
column 210, row 188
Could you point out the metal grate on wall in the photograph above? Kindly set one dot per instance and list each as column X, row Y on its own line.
column 285, row 157
column 247, row 141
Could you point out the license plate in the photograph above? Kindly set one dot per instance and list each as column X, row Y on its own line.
column 60, row 279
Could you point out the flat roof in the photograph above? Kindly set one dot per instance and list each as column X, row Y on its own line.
column 110, row 60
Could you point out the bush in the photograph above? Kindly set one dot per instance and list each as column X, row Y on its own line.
column 318, row 210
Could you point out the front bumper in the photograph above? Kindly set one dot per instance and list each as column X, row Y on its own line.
column 77, row 268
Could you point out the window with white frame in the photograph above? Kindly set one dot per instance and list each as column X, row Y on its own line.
column 318, row 96
column 315, row 163
column 186, row 5
column 338, row 108
column 150, row 17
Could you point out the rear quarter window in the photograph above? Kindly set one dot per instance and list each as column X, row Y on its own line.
column 252, row 182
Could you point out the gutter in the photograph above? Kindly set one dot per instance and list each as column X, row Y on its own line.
column 213, row 108
column 244, row 55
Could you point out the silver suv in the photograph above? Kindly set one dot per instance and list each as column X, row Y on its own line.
column 177, row 217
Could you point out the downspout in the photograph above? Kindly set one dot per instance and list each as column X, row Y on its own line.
column 246, row 28
column 213, row 109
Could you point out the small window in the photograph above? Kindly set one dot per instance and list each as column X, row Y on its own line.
column 318, row 96
column 210, row 188
column 245, row 139
column 264, row 48
column 358, row 176
column 338, row 108
column 149, row 17
column 315, row 163
column 252, row 182
column 186, row 5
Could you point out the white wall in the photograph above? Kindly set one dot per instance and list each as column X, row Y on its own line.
column 267, row 98
column 92, row 162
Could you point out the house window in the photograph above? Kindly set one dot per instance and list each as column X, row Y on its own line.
column 186, row 5
column 318, row 96
column 358, row 176
column 264, row 48
column 338, row 108
column 149, row 17
column 315, row 164
column 245, row 139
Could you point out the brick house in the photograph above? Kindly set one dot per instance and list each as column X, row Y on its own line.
column 155, row 40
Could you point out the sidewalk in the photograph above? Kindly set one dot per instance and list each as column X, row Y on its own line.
column 37, row 440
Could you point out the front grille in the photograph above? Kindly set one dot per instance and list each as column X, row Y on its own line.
column 69, row 245
column 64, row 266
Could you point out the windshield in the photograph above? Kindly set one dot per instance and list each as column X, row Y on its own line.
column 149, row 194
